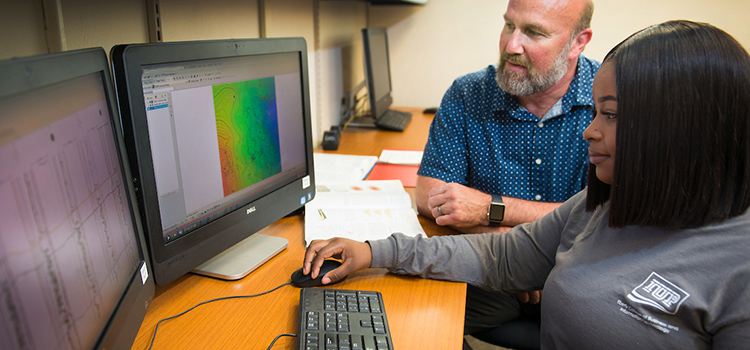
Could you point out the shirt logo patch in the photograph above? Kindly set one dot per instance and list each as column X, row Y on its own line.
column 656, row 291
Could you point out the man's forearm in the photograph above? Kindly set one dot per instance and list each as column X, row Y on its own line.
column 519, row 211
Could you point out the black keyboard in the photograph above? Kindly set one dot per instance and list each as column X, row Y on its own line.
column 337, row 319
column 393, row 120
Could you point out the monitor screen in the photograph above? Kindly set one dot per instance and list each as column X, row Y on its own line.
column 220, row 138
column 377, row 70
column 73, row 266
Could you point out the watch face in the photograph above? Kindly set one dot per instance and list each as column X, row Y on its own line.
column 496, row 212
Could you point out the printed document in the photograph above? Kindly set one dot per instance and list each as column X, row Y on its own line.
column 336, row 168
column 362, row 210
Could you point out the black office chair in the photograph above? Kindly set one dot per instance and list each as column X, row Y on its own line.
column 520, row 334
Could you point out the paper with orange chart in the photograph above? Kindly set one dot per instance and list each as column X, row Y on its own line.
column 363, row 210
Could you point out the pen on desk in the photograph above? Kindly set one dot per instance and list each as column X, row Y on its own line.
column 322, row 216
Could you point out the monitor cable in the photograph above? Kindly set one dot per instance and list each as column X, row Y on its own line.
column 355, row 110
column 153, row 338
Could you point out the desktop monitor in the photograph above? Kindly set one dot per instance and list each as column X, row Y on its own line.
column 377, row 70
column 73, row 266
column 378, row 82
column 219, row 134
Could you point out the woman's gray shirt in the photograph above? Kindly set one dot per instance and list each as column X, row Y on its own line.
column 604, row 288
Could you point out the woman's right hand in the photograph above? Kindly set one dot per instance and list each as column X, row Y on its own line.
column 354, row 256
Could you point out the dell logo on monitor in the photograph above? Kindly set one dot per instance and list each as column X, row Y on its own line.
column 250, row 210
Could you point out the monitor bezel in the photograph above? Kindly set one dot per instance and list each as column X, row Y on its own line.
column 377, row 106
column 29, row 73
column 175, row 259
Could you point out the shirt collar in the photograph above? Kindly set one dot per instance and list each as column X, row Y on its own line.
column 580, row 90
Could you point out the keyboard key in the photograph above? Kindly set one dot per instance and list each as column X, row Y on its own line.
column 381, row 342
column 344, row 343
column 330, row 341
column 374, row 305
column 357, row 342
column 370, row 343
column 311, row 341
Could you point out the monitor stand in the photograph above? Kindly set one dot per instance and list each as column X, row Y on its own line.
column 243, row 258
column 366, row 121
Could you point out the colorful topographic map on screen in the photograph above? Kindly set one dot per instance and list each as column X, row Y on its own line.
column 248, row 132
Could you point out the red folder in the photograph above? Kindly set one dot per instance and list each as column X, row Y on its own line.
column 406, row 173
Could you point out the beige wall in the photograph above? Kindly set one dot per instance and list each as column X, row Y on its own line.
column 90, row 23
column 183, row 20
column 433, row 44
column 430, row 45
column 615, row 20
column 329, row 27
column 21, row 29
column 72, row 24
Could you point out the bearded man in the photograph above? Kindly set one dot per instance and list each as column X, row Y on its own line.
column 505, row 146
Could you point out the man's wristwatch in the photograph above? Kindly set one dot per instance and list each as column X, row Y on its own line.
column 496, row 211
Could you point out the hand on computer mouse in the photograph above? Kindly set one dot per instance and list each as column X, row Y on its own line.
column 354, row 256
column 302, row 280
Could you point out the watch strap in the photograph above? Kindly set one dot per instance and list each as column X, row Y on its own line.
column 497, row 198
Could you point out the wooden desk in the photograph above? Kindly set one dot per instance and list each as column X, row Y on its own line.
column 422, row 314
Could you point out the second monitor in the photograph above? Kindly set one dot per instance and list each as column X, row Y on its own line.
column 378, row 82
column 73, row 265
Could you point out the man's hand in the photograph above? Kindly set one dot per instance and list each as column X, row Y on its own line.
column 354, row 256
column 459, row 206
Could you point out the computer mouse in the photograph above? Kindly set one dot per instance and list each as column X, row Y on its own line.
column 302, row 281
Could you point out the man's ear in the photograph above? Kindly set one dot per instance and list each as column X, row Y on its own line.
column 580, row 42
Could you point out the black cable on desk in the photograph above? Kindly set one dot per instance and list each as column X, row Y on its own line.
column 279, row 336
column 153, row 338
